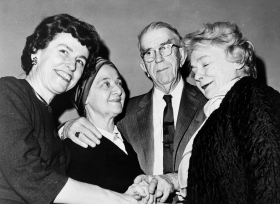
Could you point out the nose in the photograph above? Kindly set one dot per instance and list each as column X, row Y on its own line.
column 71, row 64
column 158, row 57
column 198, row 75
column 117, row 89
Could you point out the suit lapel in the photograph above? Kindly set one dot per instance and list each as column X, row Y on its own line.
column 186, row 125
column 145, row 124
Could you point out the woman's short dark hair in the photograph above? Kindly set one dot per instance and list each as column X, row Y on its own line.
column 228, row 36
column 62, row 23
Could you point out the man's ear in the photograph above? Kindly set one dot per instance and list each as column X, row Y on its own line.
column 183, row 56
column 143, row 66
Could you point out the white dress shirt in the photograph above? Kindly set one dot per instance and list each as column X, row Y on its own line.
column 116, row 137
column 158, row 108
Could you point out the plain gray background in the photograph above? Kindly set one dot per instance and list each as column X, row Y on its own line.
column 119, row 22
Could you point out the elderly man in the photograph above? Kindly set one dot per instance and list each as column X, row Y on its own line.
column 158, row 124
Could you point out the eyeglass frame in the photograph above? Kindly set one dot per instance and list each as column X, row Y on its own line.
column 154, row 51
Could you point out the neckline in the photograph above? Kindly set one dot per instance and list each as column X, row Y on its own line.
column 40, row 97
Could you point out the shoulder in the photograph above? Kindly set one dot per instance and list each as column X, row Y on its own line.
column 252, row 100
column 193, row 93
column 13, row 88
column 12, row 83
column 139, row 101
column 249, row 89
column 141, row 97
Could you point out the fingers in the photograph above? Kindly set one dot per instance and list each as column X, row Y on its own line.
column 166, row 186
column 79, row 141
column 141, row 178
column 89, row 135
column 153, row 185
column 137, row 191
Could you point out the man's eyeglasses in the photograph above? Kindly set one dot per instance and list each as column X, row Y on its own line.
column 165, row 50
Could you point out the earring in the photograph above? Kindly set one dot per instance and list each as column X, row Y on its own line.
column 34, row 61
column 148, row 74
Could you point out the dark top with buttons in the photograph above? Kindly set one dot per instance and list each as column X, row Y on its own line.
column 32, row 157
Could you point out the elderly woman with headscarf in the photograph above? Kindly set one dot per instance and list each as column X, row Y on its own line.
column 234, row 157
column 113, row 164
column 32, row 157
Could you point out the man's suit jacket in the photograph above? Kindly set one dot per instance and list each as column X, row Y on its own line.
column 105, row 165
column 138, row 125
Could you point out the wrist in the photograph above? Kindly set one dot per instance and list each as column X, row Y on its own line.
column 66, row 128
column 173, row 177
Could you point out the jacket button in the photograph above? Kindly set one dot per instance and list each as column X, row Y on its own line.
column 50, row 109
column 62, row 159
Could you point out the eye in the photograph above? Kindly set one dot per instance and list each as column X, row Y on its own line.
column 205, row 65
column 81, row 62
column 63, row 51
column 119, row 82
column 148, row 53
column 107, row 84
column 164, row 47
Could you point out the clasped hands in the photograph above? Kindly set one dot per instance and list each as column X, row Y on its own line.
column 152, row 189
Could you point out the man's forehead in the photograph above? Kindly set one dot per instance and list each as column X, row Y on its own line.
column 156, row 37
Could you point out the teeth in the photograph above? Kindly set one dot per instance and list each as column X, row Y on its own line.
column 64, row 75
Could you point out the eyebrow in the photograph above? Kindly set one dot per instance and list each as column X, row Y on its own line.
column 201, row 58
column 161, row 44
column 69, row 48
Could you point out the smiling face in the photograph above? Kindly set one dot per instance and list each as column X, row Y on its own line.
column 106, row 96
column 60, row 65
column 211, row 69
column 163, row 70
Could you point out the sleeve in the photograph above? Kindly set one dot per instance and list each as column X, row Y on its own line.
column 260, row 144
column 25, row 172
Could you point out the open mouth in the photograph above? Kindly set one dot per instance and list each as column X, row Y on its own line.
column 206, row 85
column 64, row 76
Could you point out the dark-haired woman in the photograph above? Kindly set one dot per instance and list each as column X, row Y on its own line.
column 32, row 157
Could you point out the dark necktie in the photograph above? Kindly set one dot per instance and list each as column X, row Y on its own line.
column 168, row 135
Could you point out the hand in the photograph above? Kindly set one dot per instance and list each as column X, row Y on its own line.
column 89, row 135
column 161, row 185
column 140, row 192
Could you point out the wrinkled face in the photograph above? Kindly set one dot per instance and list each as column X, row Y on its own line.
column 163, row 70
column 61, row 63
column 211, row 69
column 106, row 97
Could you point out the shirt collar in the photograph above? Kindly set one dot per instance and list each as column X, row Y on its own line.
column 109, row 135
column 158, row 95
